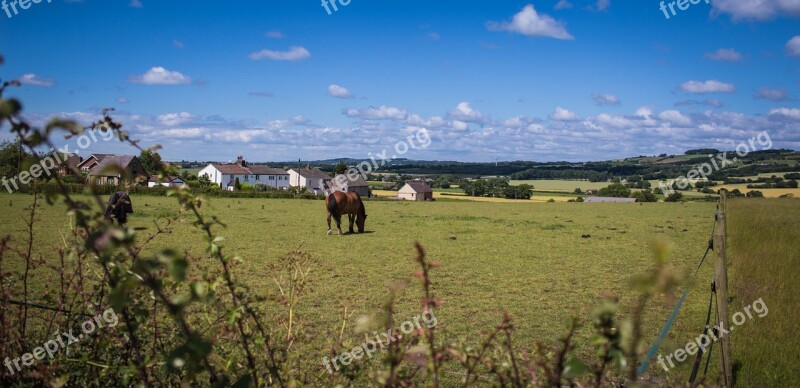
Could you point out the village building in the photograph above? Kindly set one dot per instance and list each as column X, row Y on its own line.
column 343, row 183
column 225, row 175
column 312, row 179
column 107, row 169
column 169, row 181
column 415, row 191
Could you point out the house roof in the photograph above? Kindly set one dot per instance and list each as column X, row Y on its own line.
column 311, row 173
column 235, row 169
column 94, row 157
column 609, row 200
column 264, row 170
column 419, row 186
column 167, row 179
column 231, row 169
column 120, row 161
column 347, row 182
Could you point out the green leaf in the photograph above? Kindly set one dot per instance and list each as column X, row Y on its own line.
column 575, row 368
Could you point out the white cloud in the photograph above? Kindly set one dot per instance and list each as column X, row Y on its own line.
column 786, row 113
column 756, row 9
column 603, row 5
column 339, row 91
column 178, row 44
column 136, row 4
column 35, row 80
column 122, row 100
column 675, row 117
column 528, row 22
column 160, row 76
column 605, row 99
column 275, row 34
column 382, row 113
column 710, row 86
column 464, row 112
column 726, row 55
column 562, row 114
column 563, row 4
column 793, row 46
column 295, row 53
column 771, row 94
column 173, row 119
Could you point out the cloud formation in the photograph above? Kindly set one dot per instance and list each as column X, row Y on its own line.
column 528, row 22
column 160, row 76
column 339, row 92
column 704, row 87
column 294, row 53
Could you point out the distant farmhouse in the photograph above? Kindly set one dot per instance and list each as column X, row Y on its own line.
column 169, row 181
column 415, row 191
column 70, row 162
column 343, row 183
column 225, row 175
column 608, row 200
column 312, row 179
column 107, row 169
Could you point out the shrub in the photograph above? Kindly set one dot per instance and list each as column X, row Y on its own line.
column 674, row 197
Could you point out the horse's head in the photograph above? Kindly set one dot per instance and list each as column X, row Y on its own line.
column 361, row 218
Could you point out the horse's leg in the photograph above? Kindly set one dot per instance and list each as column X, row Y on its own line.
column 339, row 223
column 351, row 218
column 329, row 224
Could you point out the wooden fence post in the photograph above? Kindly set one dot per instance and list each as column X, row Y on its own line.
column 721, row 278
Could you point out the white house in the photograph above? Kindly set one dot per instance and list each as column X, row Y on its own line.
column 415, row 191
column 169, row 181
column 225, row 175
column 313, row 179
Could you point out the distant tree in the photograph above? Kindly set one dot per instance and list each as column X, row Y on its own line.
column 11, row 154
column 152, row 163
column 674, row 197
column 754, row 194
column 644, row 196
column 578, row 191
column 237, row 185
column 260, row 187
column 703, row 151
column 340, row 168
column 579, row 199
column 617, row 190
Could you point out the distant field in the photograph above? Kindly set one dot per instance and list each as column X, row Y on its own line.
column 764, row 261
column 769, row 193
column 561, row 185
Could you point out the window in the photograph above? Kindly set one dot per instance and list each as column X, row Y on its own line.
column 272, row 177
column 247, row 178
column 258, row 177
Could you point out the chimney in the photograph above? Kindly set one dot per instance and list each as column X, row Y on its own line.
column 240, row 161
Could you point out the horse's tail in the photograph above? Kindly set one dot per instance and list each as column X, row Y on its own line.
column 332, row 206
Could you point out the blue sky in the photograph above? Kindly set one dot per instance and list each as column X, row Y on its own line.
column 503, row 80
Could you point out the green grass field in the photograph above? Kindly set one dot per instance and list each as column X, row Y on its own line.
column 528, row 259
column 764, row 261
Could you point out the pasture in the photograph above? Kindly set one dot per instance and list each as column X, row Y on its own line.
column 525, row 258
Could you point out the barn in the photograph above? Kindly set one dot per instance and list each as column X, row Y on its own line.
column 343, row 183
column 415, row 191
column 608, row 200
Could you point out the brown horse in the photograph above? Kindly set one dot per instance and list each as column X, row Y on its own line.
column 339, row 203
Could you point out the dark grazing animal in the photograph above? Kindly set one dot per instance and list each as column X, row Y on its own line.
column 339, row 203
column 119, row 206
